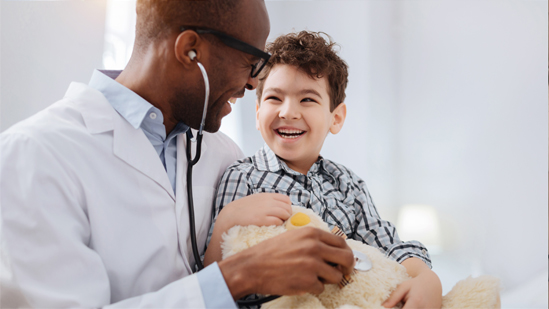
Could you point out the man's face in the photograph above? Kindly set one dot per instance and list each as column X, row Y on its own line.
column 228, row 70
column 294, row 116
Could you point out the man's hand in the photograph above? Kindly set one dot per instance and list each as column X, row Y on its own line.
column 295, row 262
column 262, row 209
column 422, row 291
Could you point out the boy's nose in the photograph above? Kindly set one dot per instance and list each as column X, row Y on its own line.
column 289, row 111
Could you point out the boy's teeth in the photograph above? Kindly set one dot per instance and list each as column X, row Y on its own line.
column 289, row 136
column 232, row 100
column 286, row 133
column 290, row 131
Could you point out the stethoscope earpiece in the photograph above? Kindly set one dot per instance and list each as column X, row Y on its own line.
column 192, row 55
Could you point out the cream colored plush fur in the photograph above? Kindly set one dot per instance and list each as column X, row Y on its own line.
column 369, row 289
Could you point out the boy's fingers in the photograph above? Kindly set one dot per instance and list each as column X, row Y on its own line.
column 287, row 207
column 397, row 295
column 273, row 221
column 279, row 197
column 280, row 200
column 411, row 303
column 279, row 212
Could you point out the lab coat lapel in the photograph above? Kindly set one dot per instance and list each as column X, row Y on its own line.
column 181, row 204
column 132, row 146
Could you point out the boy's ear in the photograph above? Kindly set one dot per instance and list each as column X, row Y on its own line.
column 338, row 118
column 257, row 114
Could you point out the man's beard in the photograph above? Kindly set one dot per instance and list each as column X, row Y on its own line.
column 188, row 104
column 187, row 107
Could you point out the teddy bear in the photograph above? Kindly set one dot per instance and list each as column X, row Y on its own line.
column 374, row 278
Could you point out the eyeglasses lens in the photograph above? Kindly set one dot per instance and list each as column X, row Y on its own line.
column 258, row 67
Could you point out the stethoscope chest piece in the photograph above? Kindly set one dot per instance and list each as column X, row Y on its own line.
column 362, row 261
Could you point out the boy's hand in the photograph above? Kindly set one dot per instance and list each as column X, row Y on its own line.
column 262, row 209
column 422, row 291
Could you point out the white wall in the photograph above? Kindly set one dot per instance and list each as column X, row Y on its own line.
column 44, row 46
column 473, row 128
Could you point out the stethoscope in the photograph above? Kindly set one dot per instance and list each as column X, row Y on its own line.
column 190, row 163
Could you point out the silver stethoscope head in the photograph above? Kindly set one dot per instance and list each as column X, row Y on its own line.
column 206, row 98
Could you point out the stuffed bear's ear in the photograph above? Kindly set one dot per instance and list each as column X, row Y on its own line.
column 480, row 292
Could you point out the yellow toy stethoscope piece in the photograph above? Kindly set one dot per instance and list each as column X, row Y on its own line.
column 300, row 219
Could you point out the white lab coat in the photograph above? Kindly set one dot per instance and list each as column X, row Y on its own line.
column 88, row 215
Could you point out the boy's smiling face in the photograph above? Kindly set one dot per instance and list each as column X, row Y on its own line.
column 294, row 116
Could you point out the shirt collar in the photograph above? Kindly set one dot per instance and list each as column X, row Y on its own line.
column 267, row 160
column 119, row 97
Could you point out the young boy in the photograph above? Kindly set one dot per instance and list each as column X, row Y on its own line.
column 299, row 100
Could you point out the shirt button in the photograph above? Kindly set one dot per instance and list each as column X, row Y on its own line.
column 424, row 252
column 152, row 115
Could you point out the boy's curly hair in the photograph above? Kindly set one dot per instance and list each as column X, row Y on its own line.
column 313, row 54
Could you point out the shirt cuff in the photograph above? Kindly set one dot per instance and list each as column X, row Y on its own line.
column 214, row 289
column 401, row 251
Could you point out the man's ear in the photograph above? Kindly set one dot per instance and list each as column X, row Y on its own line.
column 338, row 118
column 257, row 114
column 185, row 42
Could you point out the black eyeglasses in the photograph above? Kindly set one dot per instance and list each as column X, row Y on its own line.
column 238, row 45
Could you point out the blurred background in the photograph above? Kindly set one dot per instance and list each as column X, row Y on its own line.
column 447, row 113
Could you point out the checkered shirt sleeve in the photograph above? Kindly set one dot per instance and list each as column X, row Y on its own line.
column 371, row 229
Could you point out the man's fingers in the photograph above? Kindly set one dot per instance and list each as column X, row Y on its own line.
column 317, row 288
column 335, row 250
column 342, row 257
column 397, row 296
column 329, row 274
column 332, row 240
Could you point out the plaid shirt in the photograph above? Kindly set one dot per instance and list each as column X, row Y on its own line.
column 331, row 190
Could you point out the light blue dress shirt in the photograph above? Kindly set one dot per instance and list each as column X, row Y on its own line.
column 142, row 114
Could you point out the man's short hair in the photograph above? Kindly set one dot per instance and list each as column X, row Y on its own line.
column 157, row 19
column 314, row 55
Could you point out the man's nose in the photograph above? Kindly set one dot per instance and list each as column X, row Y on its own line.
column 252, row 83
column 289, row 111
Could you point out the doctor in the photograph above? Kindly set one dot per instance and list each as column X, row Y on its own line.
column 93, row 203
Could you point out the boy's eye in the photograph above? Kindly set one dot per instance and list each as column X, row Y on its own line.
column 272, row 98
column 308, row 100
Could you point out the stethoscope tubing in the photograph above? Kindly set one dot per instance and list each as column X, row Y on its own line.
column 190, row 163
